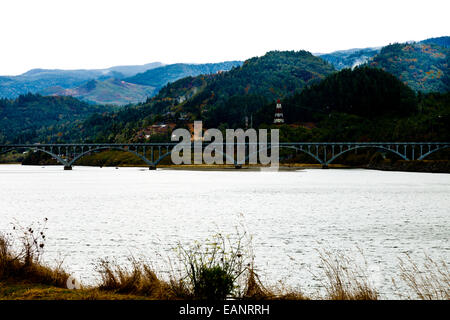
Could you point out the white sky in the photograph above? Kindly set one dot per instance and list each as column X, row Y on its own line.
column 70, row 34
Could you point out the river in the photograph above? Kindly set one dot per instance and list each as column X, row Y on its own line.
column 96, row 213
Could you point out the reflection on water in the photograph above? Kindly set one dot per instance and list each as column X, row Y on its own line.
column 96, row 213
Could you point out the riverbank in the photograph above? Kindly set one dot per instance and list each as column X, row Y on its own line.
column 431, row 166
column 211, row 271
column 26, row 290
column 281, row 167
column 121, row 283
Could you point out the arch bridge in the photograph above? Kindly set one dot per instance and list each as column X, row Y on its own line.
column 153, row 153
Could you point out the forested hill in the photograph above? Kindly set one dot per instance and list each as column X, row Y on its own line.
column 231, row 96
column 364, row 91
column 363, row 104
column 31, row 117
column 320, row 104
column 440, row 41
column 423, row 66
column 221, row 99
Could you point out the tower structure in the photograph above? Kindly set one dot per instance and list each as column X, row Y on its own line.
column 278, row 114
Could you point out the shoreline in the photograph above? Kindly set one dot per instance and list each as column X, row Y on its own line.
column 425, row 166
column 255, row 168
column 29, row 278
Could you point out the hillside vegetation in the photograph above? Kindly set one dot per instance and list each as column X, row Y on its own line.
column 423, row 67
column 220, row 99
column 363, row 91
column 363, row 104
column 440, row 41
column 32, row 117
column 366, row 103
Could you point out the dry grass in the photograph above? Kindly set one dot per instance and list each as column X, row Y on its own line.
column 24, row 276
column 25, row 264
column 345, row 279
column 431, row 281
column 24, row 290
column 139, row 279
column 256, row 290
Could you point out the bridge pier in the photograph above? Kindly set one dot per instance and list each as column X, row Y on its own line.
column 238, row 166
column 325, row 166
column 67, row 167
column 152, row 168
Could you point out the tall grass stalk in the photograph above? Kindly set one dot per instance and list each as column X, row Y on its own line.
column 345, row 279
column 429, row 281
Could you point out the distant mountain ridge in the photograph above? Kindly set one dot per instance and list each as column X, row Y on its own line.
column 159, row 77
column 109, row 91
column 118, row 85
column 38, row 80
column 349, row 58
column 124, row 71
column 139, row 87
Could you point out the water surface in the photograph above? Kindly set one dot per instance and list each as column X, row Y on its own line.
column 96, row 213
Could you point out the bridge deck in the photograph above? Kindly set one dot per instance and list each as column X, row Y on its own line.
column 322, row 152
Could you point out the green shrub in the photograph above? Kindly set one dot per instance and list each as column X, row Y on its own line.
column 213, row 283
column 214, row 269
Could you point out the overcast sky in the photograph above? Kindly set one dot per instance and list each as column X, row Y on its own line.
column 70, row 34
